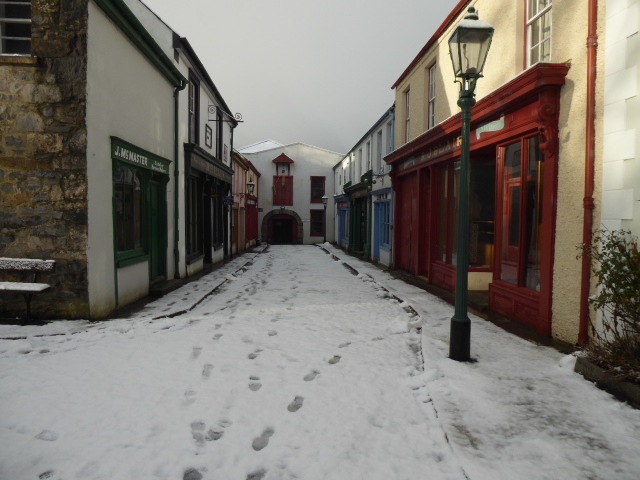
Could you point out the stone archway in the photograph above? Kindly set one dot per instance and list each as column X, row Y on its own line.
column 266, row 232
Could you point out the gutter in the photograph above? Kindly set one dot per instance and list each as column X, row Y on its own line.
column 588, row 201
column 176, row 178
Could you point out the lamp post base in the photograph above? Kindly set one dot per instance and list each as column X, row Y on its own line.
column 460, row 340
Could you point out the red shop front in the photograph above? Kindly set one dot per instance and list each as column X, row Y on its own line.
column 513, row 192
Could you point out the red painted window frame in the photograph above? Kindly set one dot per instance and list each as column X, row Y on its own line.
column 324, row 183
column 312, row 232
column 282, row 194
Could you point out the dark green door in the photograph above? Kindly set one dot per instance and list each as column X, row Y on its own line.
column 157, row 232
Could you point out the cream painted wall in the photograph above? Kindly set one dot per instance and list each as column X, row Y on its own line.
column 505, row 61
column 621, row 156
column 128, row 98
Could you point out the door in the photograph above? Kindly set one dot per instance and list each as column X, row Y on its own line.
column 157, row 232
column 521, row 249
column 406, row 222
column 282, row 231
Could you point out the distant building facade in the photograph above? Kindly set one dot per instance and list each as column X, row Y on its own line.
column 294, row 178
column 364, row 197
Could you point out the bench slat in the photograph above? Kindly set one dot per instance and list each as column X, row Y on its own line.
column 26, row 264
column 21, row 287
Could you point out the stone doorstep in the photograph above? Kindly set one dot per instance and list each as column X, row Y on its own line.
column 622, row 390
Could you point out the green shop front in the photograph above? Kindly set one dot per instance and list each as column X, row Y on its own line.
column 139, row 211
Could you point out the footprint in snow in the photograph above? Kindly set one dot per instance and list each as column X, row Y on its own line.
column 190, row 396
column 343, row 345
column 217, row 336
column 197, row 431
column 218, row 326
column 196, row 352
column 311, row 376
column 257, row 475
column 254, row 385
column 191, row 474
column 206, row 370
column 335, row 359
column 272, row 333
column 296, row 404
column 254, row 355
column 263, row 440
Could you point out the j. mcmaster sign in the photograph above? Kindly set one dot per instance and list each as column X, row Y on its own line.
column 121, row 150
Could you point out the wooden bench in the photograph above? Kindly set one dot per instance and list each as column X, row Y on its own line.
column 30, row 268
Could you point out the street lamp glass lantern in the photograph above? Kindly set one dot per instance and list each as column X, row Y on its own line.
column 250, row 187
column 325, row 199
column 469, row 45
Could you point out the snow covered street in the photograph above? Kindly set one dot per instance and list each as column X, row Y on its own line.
column 285, row 364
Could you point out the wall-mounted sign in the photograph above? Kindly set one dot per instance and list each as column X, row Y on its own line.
column 129, row 153
column 490, row 127
column 208, row 136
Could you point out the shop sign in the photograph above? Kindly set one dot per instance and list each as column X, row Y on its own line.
column 125, row 151
column 440, row 149
column 209, row 168
column 490, row 127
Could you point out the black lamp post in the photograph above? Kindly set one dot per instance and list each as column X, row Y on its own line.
column 325, row 199
column 250, row 187
column 468, row 46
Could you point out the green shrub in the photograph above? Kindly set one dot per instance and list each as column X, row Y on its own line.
column 615, row 264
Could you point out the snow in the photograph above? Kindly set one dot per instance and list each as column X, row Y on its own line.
column 283, row 365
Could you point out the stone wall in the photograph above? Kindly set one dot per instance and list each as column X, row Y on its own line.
column 43, row 165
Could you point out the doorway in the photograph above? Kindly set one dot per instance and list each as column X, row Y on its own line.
column 282, row 230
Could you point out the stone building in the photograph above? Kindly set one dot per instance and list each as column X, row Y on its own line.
column 103, row 149
column 43, row 150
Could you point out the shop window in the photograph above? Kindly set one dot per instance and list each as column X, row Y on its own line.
column 218, row 214
column 15, row 27
column 317, row 223
column 481, row 213
column 538, row 31
column 521, row 248
column 317, row 189
column 385, row 227
column 194, row 237
column 448, row 188
column 128, row 188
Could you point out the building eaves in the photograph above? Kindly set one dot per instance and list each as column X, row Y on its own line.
column 183, row 45
column 128, row 23
column 438, row 33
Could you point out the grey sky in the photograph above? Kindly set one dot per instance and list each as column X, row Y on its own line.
column 317, row 72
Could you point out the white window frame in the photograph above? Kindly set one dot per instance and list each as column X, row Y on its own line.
column 5, row 20
column 379, row 151
column 407, row 115
column 534, row 21
column 431, row 97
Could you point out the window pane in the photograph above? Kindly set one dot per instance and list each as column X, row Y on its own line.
column 453, row 220
column 533, row 218
column 509, row 257
column 137, row 212
column 118, row 180
column 482, row 201
column 441, row 249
